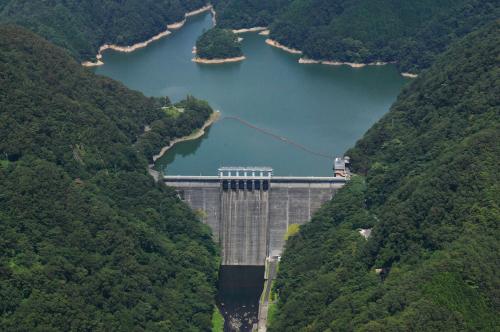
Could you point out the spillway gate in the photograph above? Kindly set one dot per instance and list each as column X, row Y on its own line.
column 249, row 209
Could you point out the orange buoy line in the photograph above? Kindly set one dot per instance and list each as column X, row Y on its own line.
column 279, row 138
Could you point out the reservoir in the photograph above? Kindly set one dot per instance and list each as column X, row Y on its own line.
column 322, row 109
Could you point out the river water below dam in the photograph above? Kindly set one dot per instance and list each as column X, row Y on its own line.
column 324, row 109
column 240, row 288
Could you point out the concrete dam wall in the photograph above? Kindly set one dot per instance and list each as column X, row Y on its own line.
column 249, row 217
column 243, row 226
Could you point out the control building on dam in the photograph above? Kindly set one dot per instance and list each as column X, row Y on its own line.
column 249, row 209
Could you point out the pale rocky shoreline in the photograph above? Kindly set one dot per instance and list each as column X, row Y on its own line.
column 303, row 60
column 128, row 49
column 124, row 49
column 177, row 25
column 254, row 29
column 338, row 63
column 276, row 44
column 409, row 75
column 264, row 31
column 214, row 14
column 351, row 64
column 199, row 10
column 218, row 61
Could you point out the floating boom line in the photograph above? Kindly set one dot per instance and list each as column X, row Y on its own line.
column 283, row 139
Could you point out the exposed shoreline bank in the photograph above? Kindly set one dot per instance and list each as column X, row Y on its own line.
column 124, row 49
column 214, row 14
column 409, row 75
column 264, row 31
column 128, row 49
column 276, row 44
column 194, row 135
column 352, row 65
column 339, row 63
column 176, row 25
column 254, row 29
column 218, row 61
column 304, row 60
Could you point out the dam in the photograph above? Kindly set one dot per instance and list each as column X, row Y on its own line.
column 250, row 210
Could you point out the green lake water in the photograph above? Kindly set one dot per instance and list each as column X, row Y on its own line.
column 323, row 108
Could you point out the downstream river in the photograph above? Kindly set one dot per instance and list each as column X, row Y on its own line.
column 322, row 109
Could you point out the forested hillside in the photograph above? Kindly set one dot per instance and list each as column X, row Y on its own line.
column 410, row 33
column 429, row 189
column 83, row 26
column 248, row 13
column 88, row 241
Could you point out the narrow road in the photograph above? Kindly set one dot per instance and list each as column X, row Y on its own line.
column 264, row 304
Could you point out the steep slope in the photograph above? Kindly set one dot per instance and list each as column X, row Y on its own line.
column 89, row 241
column 83, row 26
column 429, row 191
column 410, row 33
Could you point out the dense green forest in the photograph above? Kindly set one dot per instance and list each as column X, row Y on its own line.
column 428, row 187
column 248, row 13
column 83, row 26
column 410, row 33
column 218, row 44
column 88, row 241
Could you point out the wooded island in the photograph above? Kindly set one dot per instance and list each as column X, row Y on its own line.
column 218, row 46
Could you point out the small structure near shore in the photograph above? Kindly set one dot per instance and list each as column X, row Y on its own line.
column 341, row 167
